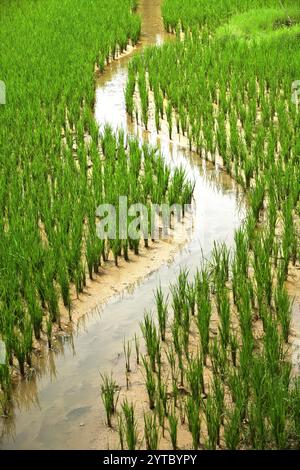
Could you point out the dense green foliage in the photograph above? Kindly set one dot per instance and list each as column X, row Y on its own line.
column 232, row 98
column 55, row 168
column 191, row 13
column 256, row 23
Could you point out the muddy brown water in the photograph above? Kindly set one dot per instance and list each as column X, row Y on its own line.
column 60, row 406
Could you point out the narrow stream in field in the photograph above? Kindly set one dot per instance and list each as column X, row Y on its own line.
column 60, row 407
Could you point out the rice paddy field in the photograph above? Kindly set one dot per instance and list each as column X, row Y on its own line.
column 197, row 344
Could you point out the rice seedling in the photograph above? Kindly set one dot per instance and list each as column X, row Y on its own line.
column 130, row 425
column 121, row 431
column 193, row 416
column 212, row 422
column 277, row 412
column 150, row 383
column 151, row 431
column 283, row 311
column 173, row 427
column 151, row 338
column 127, row 354
column 162, row 312
column 109, row 396
column 232, row 428
column 194, row 376
column 137, row 348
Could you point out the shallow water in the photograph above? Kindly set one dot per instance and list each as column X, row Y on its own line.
column 60, row 407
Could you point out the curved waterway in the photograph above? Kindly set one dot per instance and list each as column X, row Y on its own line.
column 60, row 407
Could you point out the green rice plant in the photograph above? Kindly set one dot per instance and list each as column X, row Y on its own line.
column 150, row 383
column 195, row 378
column 223, row 306
column 219, row 359
column 162, row 312
column 109, row 396
column 185, row 329
column 170, row 354
column 177, row 340
column 283, row 310
column 194, row 423
column 151, row 431
column 151, row 338
column 273, row 348
column 232, row 428
column 173, row 427
column 130, row 425
column 137, row 348
column 213, row 422
column 257, row 425
column 219, row 395
column 127, row 354
column 204, row 311
column 191, row 295
column 121, row 431
column 277, row 411
column 239, row 389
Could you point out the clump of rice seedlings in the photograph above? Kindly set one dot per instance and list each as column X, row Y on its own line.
column 232, row 428
column 213, row 422
column 223, row 306
column 277, row 411
column 283, row 311
column 193, row 415
column 220, row 262
column 162, row 312
column 219, row 395
column 170, row 354
column 204, row 311
column 130, row 425
column 194, row 376
column 109, row 396
column 273, row 348
column 177, row 340
column 127, row 354
column 219, row 359
column 185, row 329
column 151, row 338
column 173, row 427
column 239, row 388
column 257, row 425
column 151, row 431
column 150, row 383
column 163, row 396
